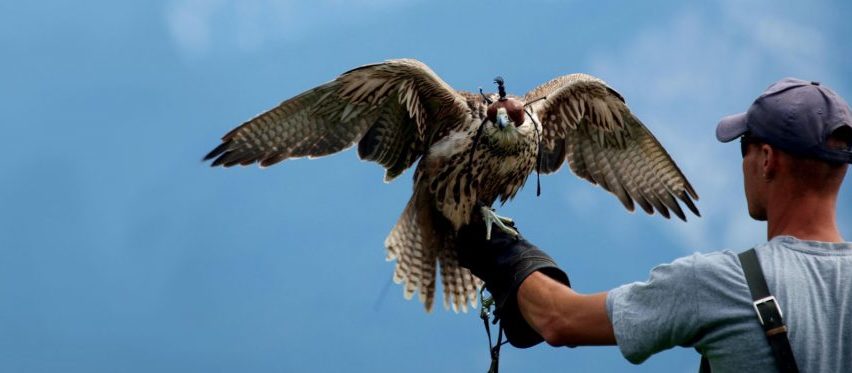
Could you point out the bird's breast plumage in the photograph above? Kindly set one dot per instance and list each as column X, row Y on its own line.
column 457, row 175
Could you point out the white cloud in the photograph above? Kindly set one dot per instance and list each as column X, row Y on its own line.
column 784, row 35
column 681, row 76
column 189, row 23
column 197, row 26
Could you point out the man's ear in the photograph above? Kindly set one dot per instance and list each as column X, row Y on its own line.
column 769, row 160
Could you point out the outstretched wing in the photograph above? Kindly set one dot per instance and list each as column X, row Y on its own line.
column 394, row 110
column 588, row 123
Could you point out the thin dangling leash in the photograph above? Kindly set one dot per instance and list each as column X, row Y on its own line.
column 473, row 149
column 487, row 303
column 476, row 138
column 485, row 314
column 537, row 146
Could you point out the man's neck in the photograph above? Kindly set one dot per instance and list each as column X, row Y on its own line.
column 806, row 216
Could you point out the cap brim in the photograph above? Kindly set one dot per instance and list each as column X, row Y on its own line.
column 731, row 127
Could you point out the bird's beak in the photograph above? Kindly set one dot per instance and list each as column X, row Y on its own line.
column 502, row 120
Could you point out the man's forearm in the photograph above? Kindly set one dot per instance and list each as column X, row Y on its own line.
column 563, row 316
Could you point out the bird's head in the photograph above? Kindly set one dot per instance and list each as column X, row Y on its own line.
column 505, row 113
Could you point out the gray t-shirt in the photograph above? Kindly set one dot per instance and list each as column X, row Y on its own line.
column 703, row 301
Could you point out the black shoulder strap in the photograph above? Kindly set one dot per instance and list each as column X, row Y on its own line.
column 768, row 312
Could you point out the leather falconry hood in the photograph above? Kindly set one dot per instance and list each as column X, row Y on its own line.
column 514, row 107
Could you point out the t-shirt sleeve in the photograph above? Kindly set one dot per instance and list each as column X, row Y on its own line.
column 648, row 317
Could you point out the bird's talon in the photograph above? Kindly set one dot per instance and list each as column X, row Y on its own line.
column 489, row 217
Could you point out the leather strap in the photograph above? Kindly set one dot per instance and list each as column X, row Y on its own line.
column 768, row 312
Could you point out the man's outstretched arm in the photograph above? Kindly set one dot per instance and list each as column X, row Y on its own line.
column 561, row 315
column 532, row 295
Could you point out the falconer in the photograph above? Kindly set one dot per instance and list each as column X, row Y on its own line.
column 785, row 305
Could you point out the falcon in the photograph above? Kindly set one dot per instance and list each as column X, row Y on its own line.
column 473, row 149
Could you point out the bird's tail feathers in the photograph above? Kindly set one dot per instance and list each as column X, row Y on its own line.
column 420, row 240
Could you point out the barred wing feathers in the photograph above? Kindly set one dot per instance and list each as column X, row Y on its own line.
column 393, row 110
column 588, row 124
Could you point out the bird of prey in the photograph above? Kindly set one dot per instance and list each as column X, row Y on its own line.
column 473, row 149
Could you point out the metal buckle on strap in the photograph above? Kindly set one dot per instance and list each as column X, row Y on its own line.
column 760, row 301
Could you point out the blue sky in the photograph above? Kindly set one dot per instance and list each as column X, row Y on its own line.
column 121, row 252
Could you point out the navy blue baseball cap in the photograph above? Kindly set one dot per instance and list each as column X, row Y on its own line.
column 796, row 116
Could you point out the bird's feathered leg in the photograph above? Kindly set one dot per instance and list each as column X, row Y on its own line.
column 489, row 217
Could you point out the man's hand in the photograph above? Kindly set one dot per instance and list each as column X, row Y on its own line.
column 503, row 262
